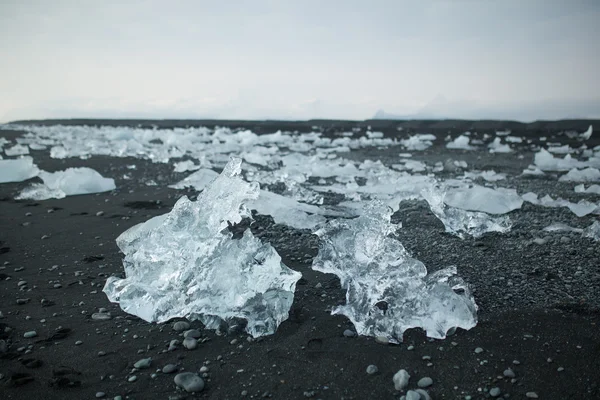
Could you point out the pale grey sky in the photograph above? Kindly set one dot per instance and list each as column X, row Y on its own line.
column 520, row 59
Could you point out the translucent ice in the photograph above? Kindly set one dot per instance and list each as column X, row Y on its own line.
column 198, row 180
column 593, row 231
column 497, row 147
column 479, row 198
column 418, row 142
column 560, row 227
column 187, row 264
column 72, row 181
column 581, row 175
column 593, row 189
column 187, row 165
column 461, row 142
column 489, row 176
column 388, row 291
column 545, row 161
column 587, row 134
column 17, row 150
column 581, row 208
column 17, row 170
column 460, row 222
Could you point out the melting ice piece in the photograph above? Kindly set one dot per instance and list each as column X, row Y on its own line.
column 461, row 142
column 594, row 189
column 489, row 176
column 187, row 165
column 460, row 222
column 17, row 170
column 581, row 208
column 581, row 175
column 198, row 180
column 593, row 231
column 418, row 142
column 545, row 161
column 17, row 150
column 387, row 291
column 69, row 182
column 587, row 134
column 187, row 264
column 497, row 147
column 560, row 227
column 479, row 198
column 287, row 211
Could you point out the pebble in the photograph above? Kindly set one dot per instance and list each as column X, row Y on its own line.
column 382, row 340
column 169, row 368
column 204, row 369
column 99, row 316
column 143, row 363
column 539, row 241
column 425, row 382
column 349, row 333
column 478, row 350
column 560, row 369
column 30, row 334
column 372, row 369
column 531, row 395
column 509, row 373
column 412, row 395
column 181, row 326
column 401, row 379
column 192, row 333
column 99, row 213
column 101, row 353
column 495, row 392
column 189, row 382
column 132, row 378
column 424, row 394
column 78, row 343
column 190, row 343
column 118, row 398
column 100, row 395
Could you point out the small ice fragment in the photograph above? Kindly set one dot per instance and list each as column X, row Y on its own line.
column 198, row 180
column 184, row 166
column 533, row 170
column 593, row 231
column 489, row 176
column 17, row 150
column 72, row 181
column 560, row 149
column 560, row 227
column 593, row 189
column 187, row 264
column 503, row 133
column 513, row 139
column 460, row 222
column 479, row 198
column 287, row 211
column 387, row 291
column 418, row 142
column 587, row 134
column 497, row 147
column 581, row 175
column 547, row 162
column 17, row 170
column 461, row 142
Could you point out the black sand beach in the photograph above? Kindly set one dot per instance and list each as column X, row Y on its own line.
column 539, row 304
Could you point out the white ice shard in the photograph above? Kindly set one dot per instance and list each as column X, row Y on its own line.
column 479, row 198
column 566, row 149
column 461, row 222
column 187, row 165
column 17, row 170
column 489, row 176
column 581, row 208
column 592, row 189
column 187, row 264
column 70, row 182
column 461, row 142
column 545, row 161
column 388, row 291
column 418, row 142
column 560, row 227
column 587, row 134
column 533, row 170
column 287, row 211
column 593, row 231
column 497, row 147
column 17, row 150
column 198, row 180
column 581, row 175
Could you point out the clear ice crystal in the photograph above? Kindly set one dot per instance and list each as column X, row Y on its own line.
column 17, row 170
column 70, row 182
column 460, row 222
column 187, row 264
column 388, row 291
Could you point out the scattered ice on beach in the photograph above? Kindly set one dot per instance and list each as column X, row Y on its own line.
column 513, row 139
column 498, row 147
column 17, row 150
column 560, row 149
column 17, row 170
column 581, row 175
column 461, row 222
column 187, row 264
column 461, row 142
column 184, row 166
column 388, row 291
column 533, row 170
column 488, row 176
column 70, row 182
column 592, row 189
column 418, row 142
column 560, row 227
column 581, row 208
column 479, row 198
column 593, row 231
column 587, row 134
column 547, row 162
column 198, row 180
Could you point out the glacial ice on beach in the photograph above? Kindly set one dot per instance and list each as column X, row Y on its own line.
column 545, row 161
column 592, row 189
column 187, row 264
column 72, row 181
column 418, row 142
column 587, row 134
column 388, row 291
column 498, row 147
column 17, row 170
column 460, row 143
column 581, row 208
column 479, row 198
column 581, row 175
column 461, row 222
column 593, row 231
column 17, row 150
column 198, row 180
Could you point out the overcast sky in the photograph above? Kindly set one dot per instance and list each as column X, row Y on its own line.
column 518, row 59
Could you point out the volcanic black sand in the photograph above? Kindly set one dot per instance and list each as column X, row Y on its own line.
column 539, row 303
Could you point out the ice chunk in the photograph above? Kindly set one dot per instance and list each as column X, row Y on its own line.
column 560, row 149
column 388, row 291
column 72, row 181
column 581, row 209
column 560, row 227
column 17, row 150
column 198, row 180
column 187, row 264
column 583, row 175
column 460, row 222
column 411, row 165
column 17, row 170
column 513, row 139
column 547, row 162
column 533, row 170
column 479, row 198
column 587, row 134
column 461, row 142
column 418, row 142
column 497, row 147
column 593, row 231
column 594, row 189
column 184, row 166
column 489, row 176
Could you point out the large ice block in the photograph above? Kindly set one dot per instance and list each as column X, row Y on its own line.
column 17, row 170
column 72, row 181
column 187, row 264
column 388, row 291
